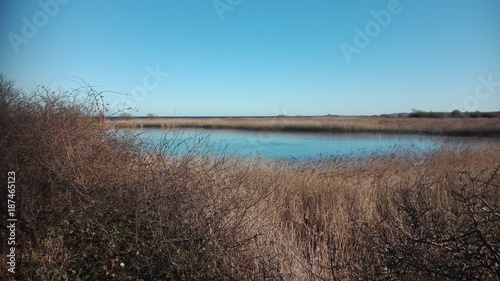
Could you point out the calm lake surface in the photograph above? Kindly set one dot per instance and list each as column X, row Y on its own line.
column 280, row 145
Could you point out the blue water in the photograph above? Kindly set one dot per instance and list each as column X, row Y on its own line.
column 280, row 145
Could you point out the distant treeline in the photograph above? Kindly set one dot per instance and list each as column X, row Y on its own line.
column 413, row 114
column 453, row 114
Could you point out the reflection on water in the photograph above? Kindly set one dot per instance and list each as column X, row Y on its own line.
column 280, row 145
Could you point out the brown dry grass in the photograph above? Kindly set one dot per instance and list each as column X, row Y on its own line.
column 93, row 205
column 449, row 126
column 389, row 217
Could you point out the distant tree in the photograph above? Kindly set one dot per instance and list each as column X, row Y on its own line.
column 151, row 115
column 417, row 113
column 126, row 116
column 456, row 114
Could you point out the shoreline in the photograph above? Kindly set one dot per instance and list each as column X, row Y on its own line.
column 478, row 127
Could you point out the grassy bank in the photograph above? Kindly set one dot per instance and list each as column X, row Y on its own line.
column 95, row 205
column 438, row 126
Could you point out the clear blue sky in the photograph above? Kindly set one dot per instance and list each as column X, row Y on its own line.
column 261, row 57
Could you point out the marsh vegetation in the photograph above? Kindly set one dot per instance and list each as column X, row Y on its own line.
column 95, row 204
column 389, row 124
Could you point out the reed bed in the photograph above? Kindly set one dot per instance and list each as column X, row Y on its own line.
column 437, row 126
column 98, row 205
